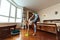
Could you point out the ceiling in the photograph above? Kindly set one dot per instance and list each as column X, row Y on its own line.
column 36, row 4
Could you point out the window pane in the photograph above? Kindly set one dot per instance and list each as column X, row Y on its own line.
column 4, row 9
column 3, row 19
column 19, row 13
column 19, row 20
column 12, row 20
column 0, row 2
column 12, row 11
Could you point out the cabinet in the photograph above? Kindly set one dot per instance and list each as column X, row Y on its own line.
column 52, row 28
column 27, row 13
column 38, row 26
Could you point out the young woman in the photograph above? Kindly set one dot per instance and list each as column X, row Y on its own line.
column 34, row 21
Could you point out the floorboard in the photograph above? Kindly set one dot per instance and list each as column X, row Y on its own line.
column 39, row 36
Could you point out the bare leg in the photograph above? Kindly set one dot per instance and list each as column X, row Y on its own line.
column 34, row 30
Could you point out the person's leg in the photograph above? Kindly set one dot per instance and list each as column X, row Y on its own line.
column 34, row 29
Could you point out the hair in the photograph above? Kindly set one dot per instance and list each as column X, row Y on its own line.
column 35, row 12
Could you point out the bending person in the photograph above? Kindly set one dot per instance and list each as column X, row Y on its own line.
column 34, row 21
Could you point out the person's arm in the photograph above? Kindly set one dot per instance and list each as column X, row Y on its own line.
column 29, row 21
column 31, row 17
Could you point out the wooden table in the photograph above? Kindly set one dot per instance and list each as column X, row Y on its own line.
column 5, row 30
column 2, row 27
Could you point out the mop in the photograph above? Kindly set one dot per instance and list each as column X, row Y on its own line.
column 29, row 23
column 27, row 34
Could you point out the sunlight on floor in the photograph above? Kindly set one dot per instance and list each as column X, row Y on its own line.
column 19, row 38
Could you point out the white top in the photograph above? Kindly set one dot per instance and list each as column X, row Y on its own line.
column 36, row 17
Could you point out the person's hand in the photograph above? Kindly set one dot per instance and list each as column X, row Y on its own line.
column 30, row 22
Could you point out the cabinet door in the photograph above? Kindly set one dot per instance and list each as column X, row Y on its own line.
column 44, row 28
column 52, row 29
column 38, row 26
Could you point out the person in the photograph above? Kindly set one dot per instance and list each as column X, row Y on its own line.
column 34, row 21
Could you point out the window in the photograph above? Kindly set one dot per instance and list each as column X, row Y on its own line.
column 7, row 12
column 19, row 20
column 12, row 20
column 19, row 13
column 3, row 19
column 0, row 2
column 12, row 11
column 4, row 9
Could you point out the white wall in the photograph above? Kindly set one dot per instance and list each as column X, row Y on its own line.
column 49, row 13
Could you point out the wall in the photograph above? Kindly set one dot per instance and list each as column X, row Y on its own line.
column 49, row 13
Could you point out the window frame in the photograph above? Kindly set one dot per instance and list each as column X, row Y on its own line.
column 10, row 13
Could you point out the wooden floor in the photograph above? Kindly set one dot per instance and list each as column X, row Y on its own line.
column 39, row 36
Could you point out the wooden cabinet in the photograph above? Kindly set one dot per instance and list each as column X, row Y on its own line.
column 38, row 26
column 52, row 28
column 44, row 28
